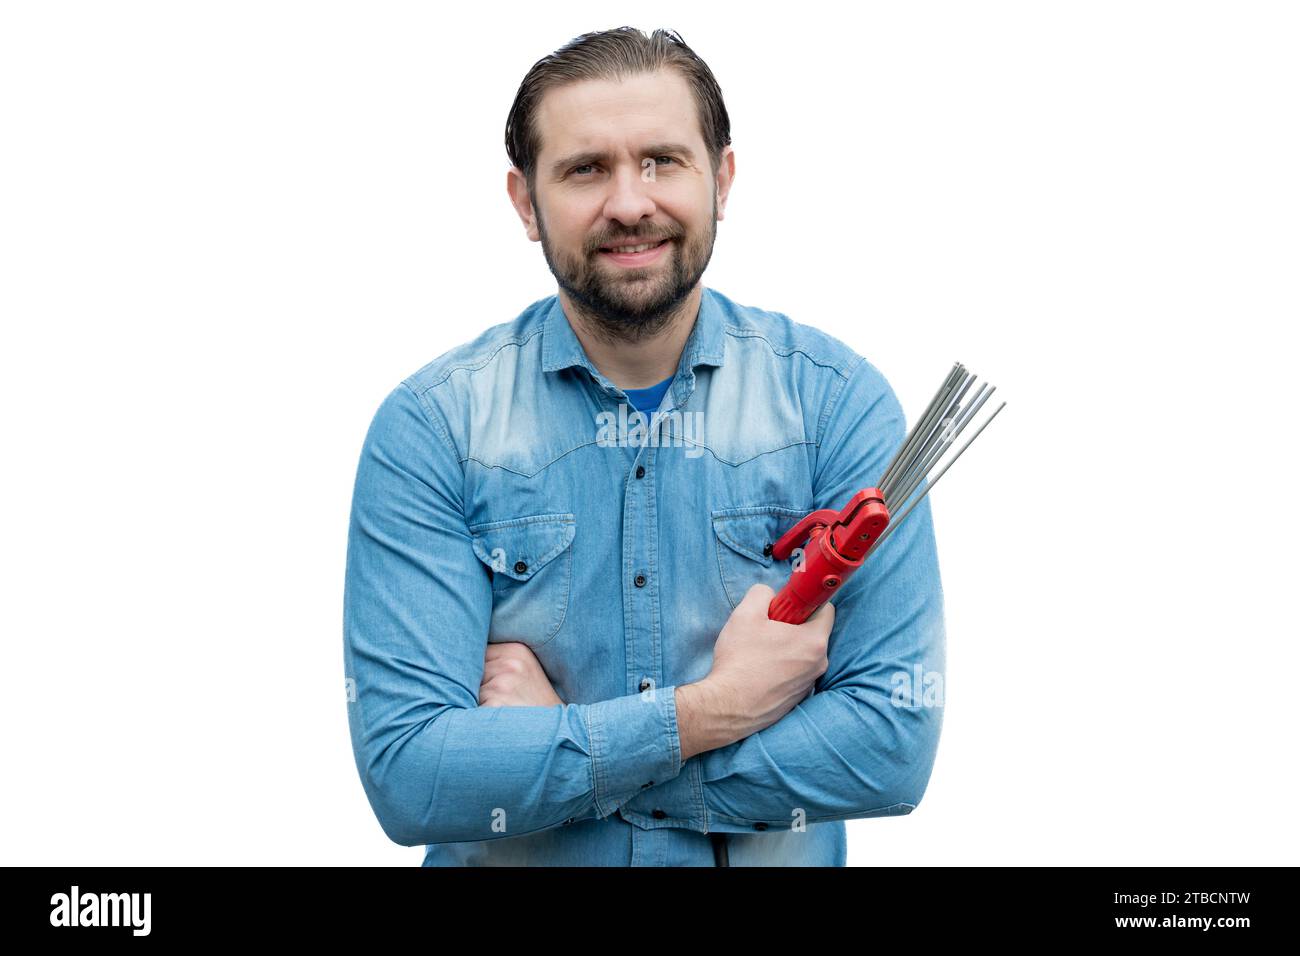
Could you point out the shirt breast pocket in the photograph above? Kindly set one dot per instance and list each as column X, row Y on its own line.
column 744, row 542
column 530, row 561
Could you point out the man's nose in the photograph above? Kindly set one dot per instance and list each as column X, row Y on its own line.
column 630, row 196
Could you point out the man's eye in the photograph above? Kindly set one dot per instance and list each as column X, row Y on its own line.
column 578, row 170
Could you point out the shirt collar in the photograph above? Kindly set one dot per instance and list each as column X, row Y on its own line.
column 704, row 346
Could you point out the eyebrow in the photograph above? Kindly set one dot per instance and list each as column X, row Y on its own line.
column 562, row 166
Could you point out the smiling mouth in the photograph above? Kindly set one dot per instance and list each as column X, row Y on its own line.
column 626, row 249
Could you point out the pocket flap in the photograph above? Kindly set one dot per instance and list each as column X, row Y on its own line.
column 520, row 547
column 748, row 531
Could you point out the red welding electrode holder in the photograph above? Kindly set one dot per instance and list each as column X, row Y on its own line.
column 837, row 543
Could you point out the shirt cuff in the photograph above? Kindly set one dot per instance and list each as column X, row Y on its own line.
column 675, row 803
column 634, row 745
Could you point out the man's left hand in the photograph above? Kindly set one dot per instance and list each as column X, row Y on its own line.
column 513, row 677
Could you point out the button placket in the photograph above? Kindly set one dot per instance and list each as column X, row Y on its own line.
column 639, row 523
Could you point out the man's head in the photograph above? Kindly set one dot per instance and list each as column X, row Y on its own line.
column 618, row 139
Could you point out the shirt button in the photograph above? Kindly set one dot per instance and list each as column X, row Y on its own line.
column 520, row 567
column 640, row 581
column 640, row 471
column 658, row 814
column 760, row 826
column 645, row 684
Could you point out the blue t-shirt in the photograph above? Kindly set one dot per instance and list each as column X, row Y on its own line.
column 646, row 400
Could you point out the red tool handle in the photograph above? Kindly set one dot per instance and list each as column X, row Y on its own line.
column 837, row 545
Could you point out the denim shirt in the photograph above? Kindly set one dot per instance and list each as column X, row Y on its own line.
column 507, row 492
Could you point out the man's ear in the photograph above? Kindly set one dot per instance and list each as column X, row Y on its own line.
column 726, row 174
column 517, row 189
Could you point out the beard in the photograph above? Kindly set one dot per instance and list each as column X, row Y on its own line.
column 621, row 304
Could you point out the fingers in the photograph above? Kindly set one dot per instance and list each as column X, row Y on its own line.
column 757, row 599
column 505, row 650
column 823, row 617
column 502, row 665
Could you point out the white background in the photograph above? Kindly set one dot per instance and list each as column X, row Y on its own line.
column 227, row 230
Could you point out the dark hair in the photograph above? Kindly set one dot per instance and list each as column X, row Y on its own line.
column 614, row 54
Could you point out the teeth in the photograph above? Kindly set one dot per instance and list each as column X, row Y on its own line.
column 641, row 248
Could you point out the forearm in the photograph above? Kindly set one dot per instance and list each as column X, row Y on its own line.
column 705, row 721
column 488, row 772
column 863, row 745
column 834, row 757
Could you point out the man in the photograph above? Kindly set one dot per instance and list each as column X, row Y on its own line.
column 555, row 612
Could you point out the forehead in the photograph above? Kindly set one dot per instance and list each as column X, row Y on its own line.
column 594, row 114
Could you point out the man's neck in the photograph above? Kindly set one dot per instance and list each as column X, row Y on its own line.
column 637, row 364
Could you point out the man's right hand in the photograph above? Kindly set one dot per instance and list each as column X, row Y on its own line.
column 761, row 670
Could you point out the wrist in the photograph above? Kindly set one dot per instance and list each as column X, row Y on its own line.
column 706, row 718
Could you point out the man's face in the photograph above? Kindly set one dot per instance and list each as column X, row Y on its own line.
column 624, row 163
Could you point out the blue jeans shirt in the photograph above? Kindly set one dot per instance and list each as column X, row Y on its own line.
column 507, row 492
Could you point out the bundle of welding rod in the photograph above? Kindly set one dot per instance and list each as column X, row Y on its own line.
column 934, row 432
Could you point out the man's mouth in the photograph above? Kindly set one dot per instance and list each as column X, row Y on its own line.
column 628, row 248
column 635, row 254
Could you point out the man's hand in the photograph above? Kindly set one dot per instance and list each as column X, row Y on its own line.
column 513, row 677
column 762, row 669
